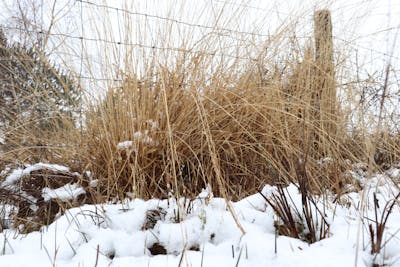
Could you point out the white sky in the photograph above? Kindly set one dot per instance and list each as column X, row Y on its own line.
column 356, row 21
column 368, row 26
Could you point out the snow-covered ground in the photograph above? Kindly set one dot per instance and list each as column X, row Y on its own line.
column 203, row 232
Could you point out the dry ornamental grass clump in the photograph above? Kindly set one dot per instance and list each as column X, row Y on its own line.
column 160, row 133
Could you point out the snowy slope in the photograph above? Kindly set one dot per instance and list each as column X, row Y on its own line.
column 207, row 235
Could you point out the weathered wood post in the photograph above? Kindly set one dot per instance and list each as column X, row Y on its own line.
column 325, row 77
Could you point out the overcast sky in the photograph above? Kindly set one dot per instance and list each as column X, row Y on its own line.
column 368, row 26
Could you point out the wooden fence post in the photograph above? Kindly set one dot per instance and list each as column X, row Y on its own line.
column 325, row 76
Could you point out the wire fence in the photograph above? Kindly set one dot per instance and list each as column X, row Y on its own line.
column 351, row 43
column 83, row 37
column 151, row 16
column 229, row 32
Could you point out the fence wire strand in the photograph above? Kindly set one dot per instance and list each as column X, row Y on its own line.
column 226, row 32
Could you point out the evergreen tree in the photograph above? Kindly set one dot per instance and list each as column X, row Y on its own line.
column 34, row 94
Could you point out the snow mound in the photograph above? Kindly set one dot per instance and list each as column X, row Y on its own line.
column 17, row 174
column 37, row 193
column 64, row 193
